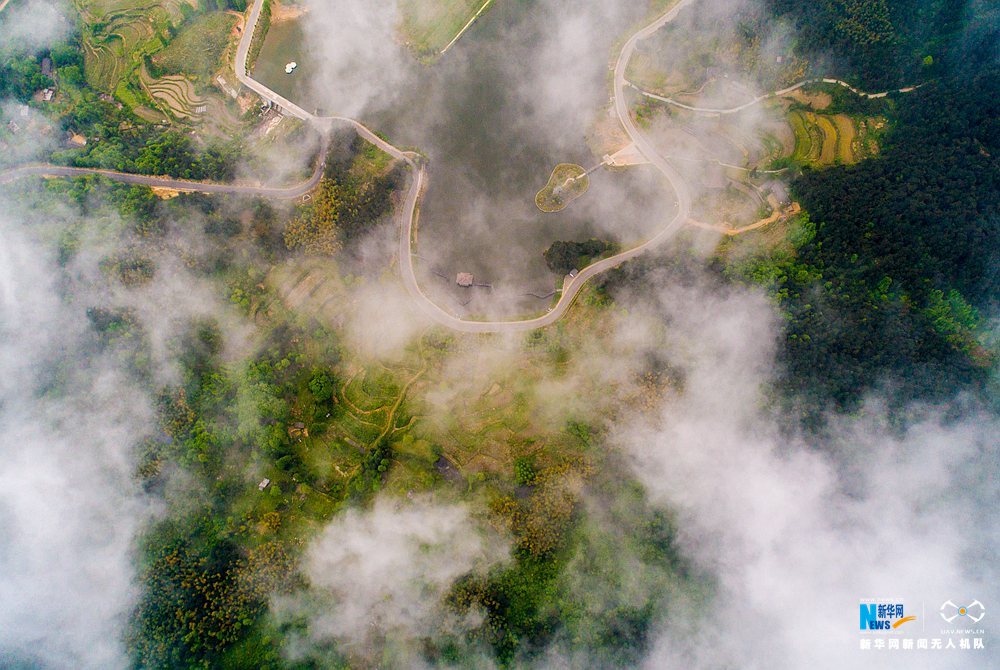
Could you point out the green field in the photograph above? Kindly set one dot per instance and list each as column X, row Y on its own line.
column 198, row 47
column 181, row 44
column 117, row 34
column 428, row 26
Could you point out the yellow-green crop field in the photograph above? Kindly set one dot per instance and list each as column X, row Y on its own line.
column 830, row 139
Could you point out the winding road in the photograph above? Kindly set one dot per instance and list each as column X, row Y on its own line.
column 408, row 212
column 766, row 96
column 573, row 285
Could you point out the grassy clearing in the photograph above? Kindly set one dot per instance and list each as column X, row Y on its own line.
column 428, row 26
column 371, row 163
column 566, row 183
column 870, row 131
column 198, row 47
column 503, row 408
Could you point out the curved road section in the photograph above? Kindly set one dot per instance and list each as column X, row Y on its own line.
column 408, row 213
column 573, row 285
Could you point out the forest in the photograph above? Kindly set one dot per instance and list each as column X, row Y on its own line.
column 294, row 409
column 897, row 260
column 880, row 43
column 889, row 278
column 562, row 257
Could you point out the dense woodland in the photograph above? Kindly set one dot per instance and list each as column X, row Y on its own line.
column 354, row 195
column 563, row 257
column 889, row 280
column 903, row 261
column 883, row 43
column 210, row 566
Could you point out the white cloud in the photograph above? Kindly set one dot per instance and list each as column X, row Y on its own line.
column 34, row 24
column 384, row 572
column 68, row 505
column 795, row 531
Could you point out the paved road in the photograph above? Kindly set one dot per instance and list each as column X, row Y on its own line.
column 408, row 212
column 775, row 94
column 573, row 286
column 287, row 192
column 322, row 123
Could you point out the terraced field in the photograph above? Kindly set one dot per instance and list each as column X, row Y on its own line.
column 370, row 409
column 846, row 133
column 823, row 139
column 803, row 138
column 175, row 94
column 371, row 404
column 828, row 148
column 118, row 33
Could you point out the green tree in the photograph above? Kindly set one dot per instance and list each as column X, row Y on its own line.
column 321, row 385
column 315, row 230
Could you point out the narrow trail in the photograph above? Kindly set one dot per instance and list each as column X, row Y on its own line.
column 390, row 426
column 467, row 26
column 756, row 225
column 766, row 96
